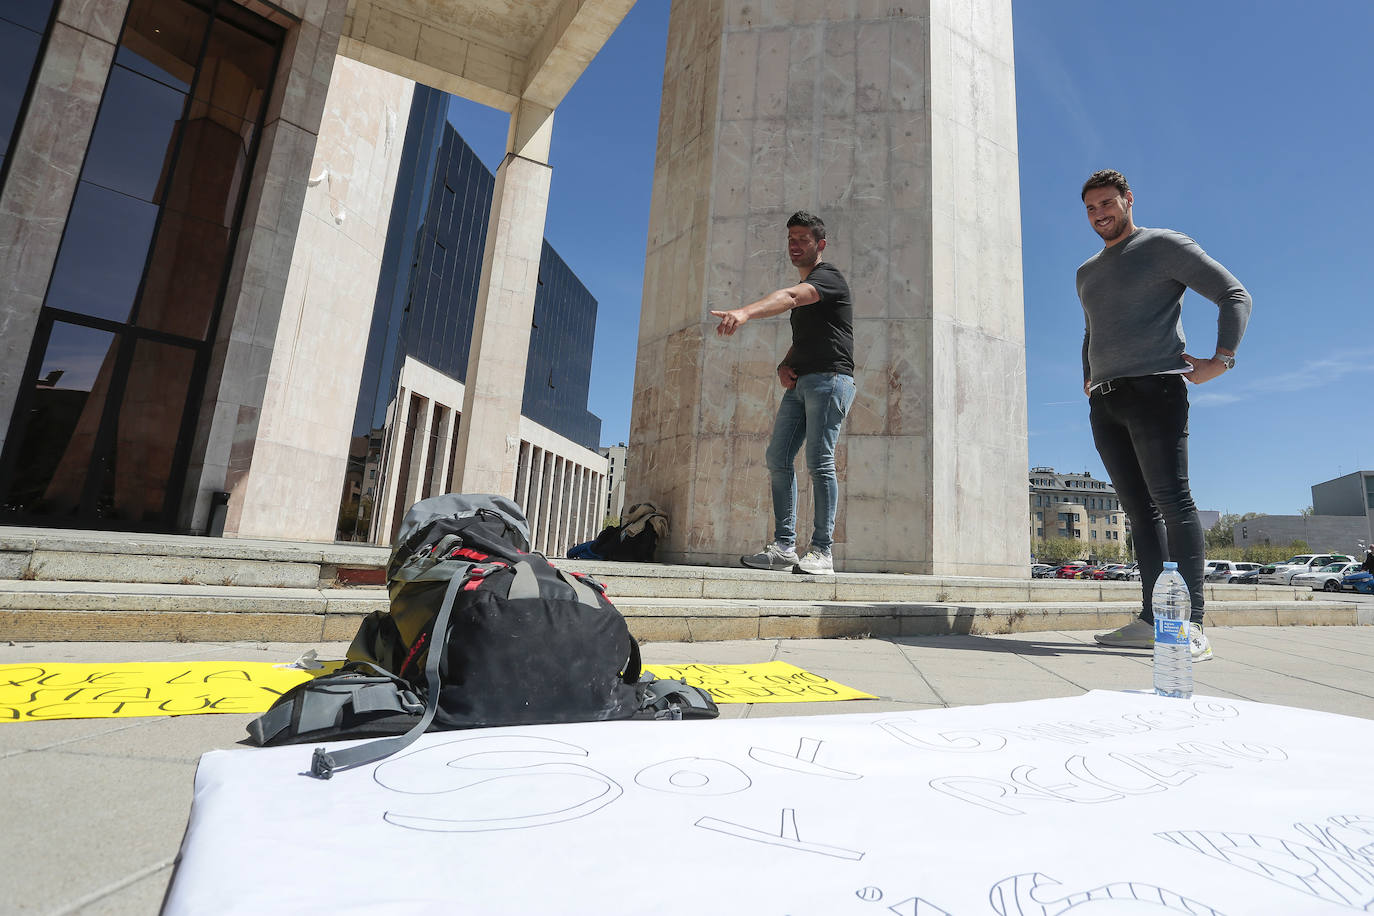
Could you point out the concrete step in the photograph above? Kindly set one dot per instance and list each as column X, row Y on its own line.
column 81, row 585
column 50, row 555
column 65, row 611
column 59, row 555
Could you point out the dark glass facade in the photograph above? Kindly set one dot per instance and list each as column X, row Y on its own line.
column 24, row 25
column 440, row 302
column 427, row 300
column 102, row 429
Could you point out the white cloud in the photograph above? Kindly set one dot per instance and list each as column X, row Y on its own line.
column 1213, row 399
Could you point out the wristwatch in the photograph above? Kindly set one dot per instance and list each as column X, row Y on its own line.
column 1228, row 361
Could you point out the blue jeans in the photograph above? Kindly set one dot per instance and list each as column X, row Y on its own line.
column 1141, row 431
column 812, row 413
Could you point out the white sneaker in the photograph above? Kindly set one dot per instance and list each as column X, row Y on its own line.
column 1135, row 635
column 773, row 556
column 1198, row 644
column 815, row 563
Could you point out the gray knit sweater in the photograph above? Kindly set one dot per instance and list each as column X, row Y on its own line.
column 1132, row 295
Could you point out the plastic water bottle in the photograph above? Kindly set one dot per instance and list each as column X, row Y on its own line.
column 1173, row 655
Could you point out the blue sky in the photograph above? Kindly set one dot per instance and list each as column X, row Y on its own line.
column 1247, row 124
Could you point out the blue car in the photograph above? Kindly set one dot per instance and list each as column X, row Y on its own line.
column 1361, row 582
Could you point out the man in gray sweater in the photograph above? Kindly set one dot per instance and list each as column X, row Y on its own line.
column 1134, row 372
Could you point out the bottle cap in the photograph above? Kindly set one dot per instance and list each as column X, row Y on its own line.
column 1170, row 564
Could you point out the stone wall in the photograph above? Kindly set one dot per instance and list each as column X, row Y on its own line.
column 896, row 125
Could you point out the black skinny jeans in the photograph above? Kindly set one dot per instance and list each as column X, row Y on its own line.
column 1141, row 431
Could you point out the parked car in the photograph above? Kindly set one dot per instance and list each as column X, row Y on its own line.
column 1250, row 577
column 1327, row 579
column 1358, row 581
column 1041, row 570
column 1105, row 572
column 1086, row 572
column 1283, row 573
column 1069, row 570
column 1125, row 571
column 1228, row 570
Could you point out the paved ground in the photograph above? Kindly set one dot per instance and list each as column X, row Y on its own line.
column 94, row 810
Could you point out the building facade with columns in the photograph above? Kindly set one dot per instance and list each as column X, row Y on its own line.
column 193, row 221
column 200, row 342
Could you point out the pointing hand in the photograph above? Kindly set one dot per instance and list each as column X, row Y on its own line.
column 729, row 321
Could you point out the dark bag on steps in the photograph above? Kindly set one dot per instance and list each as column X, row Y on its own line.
column 484, row 632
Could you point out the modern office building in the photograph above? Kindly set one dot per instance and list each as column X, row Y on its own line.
column 1075, row 506
column 195, row 198
column 409, row 409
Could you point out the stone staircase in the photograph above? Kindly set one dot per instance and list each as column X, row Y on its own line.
column 103, row 586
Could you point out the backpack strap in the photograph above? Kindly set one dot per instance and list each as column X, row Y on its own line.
column 323, row 763
column 319, row 705
column 526, row 583
column 584, row 593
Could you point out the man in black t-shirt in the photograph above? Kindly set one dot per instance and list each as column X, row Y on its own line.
column 817, row 376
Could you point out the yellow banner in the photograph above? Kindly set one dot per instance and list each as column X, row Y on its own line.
column 70, row 690
column 764, row 682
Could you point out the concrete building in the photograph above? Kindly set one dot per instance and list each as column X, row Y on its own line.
column 192, row 226
column 409, row 405
column 897, row 124
column 1342, row 519
column 1335, row 533
column 616, row 474
column 186, row 268
column 1075, row 506
column 1350, row 496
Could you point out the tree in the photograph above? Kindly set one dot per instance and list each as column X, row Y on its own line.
column 1306, row 513
column 1109, row 552
column 1219, row 535
column 1057, row 550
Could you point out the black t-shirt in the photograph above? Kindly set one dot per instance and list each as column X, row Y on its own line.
column 823, row 332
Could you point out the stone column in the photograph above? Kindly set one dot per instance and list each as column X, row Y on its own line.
column 44, row 169
column 897, row 125
column 489, row 440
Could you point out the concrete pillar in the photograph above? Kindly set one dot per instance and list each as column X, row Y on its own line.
column 546, row 501
column 897, row 124
column 489, row 441
column 44, row 167
column 560, row 506
column 412, row 487
column 444, row 447
column 534, row 494
column 522, row 483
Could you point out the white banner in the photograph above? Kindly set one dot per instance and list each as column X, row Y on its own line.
column 1109, row 803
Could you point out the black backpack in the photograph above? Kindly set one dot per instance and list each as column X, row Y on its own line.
column 519, row 642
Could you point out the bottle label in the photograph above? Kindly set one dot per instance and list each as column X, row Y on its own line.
column 1171, row 632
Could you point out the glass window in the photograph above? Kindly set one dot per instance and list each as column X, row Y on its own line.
column 146, row 246
column 134, row 478
column 134, row 134
column 103, row 252
column 22, row 24
column 63, row 417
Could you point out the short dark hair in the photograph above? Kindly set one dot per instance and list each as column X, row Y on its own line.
column 810, row 221
column 1106, row 178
